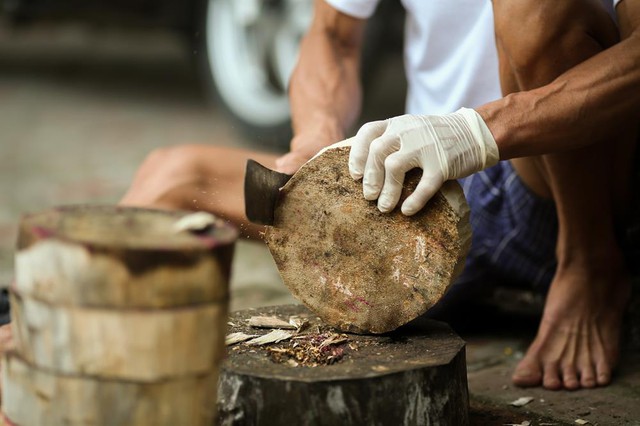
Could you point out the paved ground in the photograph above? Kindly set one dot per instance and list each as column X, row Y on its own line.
column 80, row 109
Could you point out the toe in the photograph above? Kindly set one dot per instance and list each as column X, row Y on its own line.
column 603, row 372
column 570, row 377
column 551, row 377
column 527, row 373
column 587, row 375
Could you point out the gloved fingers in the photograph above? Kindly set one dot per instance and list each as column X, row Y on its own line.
column 374, row 171
column 425, row 190
column 396, row 166
column 360, row 146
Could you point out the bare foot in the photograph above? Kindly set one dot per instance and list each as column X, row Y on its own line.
column 578, row 338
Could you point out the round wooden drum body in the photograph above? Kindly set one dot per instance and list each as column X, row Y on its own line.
column 113, row 301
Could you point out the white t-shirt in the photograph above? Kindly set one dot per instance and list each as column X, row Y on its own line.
column 450, row 53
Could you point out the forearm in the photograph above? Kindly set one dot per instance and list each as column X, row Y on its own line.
column 585, row 105
column 325, row 91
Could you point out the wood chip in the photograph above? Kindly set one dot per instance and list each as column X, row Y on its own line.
column 299, row 323
column 274, row 336
column 334, row 339
column 524, row 423
column 581, row 422
column 522, row 401
column 198, row 221
column 270, row 322
column 238, row 337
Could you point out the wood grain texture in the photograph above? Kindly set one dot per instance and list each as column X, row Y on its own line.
column 415, row 375
column 109, row 256
column 33, row 396
column 138, row 345
column 359, row 269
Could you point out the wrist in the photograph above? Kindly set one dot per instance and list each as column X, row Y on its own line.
column 480, row 150
column 310, row 139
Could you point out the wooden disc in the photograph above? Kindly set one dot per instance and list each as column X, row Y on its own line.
column 123, row 257
column 359, row 269
column 414, row 375
column 33, row 396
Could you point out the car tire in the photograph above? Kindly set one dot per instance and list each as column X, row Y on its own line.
column 246, row 51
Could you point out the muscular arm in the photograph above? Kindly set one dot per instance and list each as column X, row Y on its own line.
column 325, row 91
column 582, row 106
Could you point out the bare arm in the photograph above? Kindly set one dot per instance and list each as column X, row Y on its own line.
column 325, row 91
column 582, row 106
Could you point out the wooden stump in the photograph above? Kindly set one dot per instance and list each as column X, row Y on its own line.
column 359, row 269
column 118, row 313
column 415, row 375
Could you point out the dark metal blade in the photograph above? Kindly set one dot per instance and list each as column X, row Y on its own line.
column 261, row 192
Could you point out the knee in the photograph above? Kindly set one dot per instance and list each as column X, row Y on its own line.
column 164, row 176
column 543, row 38
column 169, row 163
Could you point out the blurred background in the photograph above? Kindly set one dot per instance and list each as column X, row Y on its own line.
column 89, row 87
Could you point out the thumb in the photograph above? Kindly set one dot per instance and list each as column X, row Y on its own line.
column 290, row 162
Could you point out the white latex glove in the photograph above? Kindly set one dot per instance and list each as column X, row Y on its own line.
column 445, row 147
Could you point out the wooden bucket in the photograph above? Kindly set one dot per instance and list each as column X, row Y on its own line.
column 119, row 317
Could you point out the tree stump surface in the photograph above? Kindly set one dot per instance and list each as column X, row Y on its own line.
column 414, row 375
column 359, row 269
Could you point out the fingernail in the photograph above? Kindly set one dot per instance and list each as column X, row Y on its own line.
column 408, row 211
column 384, row 206
column 356, row 175
column 370, row 192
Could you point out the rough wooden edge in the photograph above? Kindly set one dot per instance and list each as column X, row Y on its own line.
column 138, row 345
column 452, row 192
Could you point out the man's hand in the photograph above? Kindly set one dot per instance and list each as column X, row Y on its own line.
column 304, row 147
column 445, row 147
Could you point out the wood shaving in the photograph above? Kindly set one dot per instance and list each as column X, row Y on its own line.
column 581, row 422
column 274, row 336
column 270, row 322
column 234, row 338
column 299, row 323
column 198, row 221
column 380, row 368
column 522, row 401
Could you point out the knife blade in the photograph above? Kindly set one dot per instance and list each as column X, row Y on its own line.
column 262, row 191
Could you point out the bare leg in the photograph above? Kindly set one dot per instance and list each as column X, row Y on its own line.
column 577, row 341
column 197, row 177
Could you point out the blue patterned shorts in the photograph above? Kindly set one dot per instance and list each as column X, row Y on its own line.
column 514, row 233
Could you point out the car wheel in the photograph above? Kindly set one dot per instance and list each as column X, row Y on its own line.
column 247, row 51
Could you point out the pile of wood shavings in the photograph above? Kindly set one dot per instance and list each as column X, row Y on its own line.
column 303, row 346
column 310, row 350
